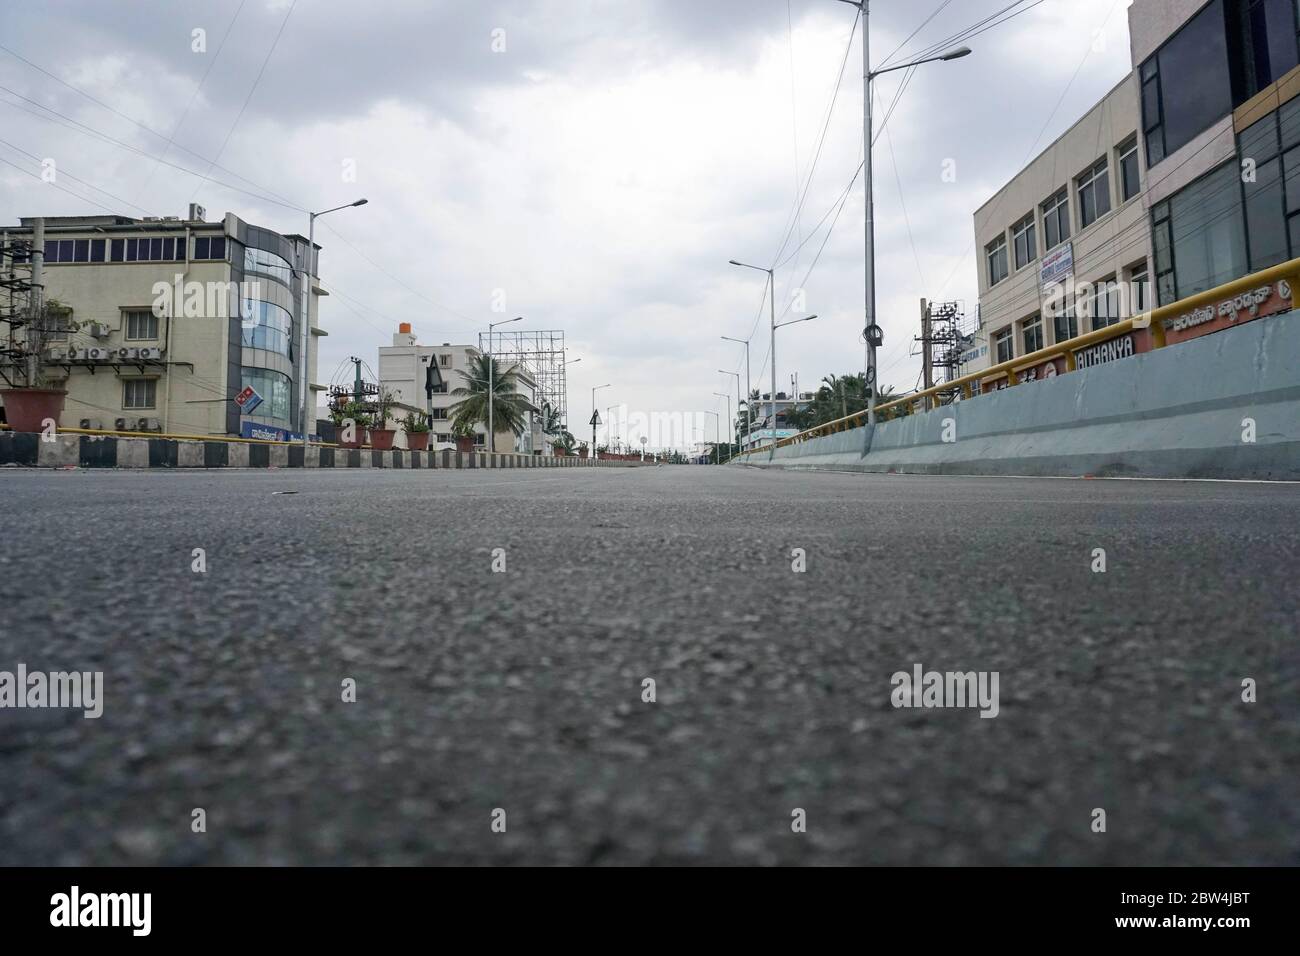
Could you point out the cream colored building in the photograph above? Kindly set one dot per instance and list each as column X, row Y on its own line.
column 1076, row 212
column 402, row 373
column 171, row 319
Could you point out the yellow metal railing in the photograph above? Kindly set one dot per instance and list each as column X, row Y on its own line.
column 1152, row 320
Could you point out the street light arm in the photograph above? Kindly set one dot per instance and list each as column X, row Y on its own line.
column 346, row 205
column 950, row 55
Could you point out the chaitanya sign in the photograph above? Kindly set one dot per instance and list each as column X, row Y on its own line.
column 1253, row 304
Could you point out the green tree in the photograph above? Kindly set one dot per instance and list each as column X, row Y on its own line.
column 508, row 406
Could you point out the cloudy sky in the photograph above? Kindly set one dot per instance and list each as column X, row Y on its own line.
column 590, row 165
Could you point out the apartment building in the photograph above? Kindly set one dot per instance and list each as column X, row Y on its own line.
column 403, row 373
column 1184, row 177
column 166, row 321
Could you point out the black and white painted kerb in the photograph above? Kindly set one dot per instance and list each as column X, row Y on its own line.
column 108, row 451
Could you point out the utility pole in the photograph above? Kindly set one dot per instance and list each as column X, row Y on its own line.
column 749, row 389
column 927, row 369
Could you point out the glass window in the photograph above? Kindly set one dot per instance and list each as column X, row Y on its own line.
column 65, row 250
column 1065, row 322
column 155, row 249
column 1194, row 86
column 141, row 325
column 1130, row 182
column 130, row 250
column 1140, row 291
column 1002, row 346
column 996, row 254
column 1094, row 194
column 1105, row 303
column 266, row 326
column 267, row 263
column 1032, row 329
column 1056, row 220
column 201, row 244
column 117, row 249
column 139, row 392
column 1022, row 238
column 1207, row 231
column 1266, row 227
column 275, row 389
column 1261, row 36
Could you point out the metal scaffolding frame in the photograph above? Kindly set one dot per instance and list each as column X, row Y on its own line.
column 541, row 355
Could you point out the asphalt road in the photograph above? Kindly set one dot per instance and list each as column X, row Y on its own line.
column 521, row 690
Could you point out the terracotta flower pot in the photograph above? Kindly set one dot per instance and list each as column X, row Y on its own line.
column 359, row 438
column 381, row 439
column 27, row 408
column 465, row 443
column 417, row 441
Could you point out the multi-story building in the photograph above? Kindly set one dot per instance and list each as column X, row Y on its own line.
column 167, row 321
column 1184, row 177
column 763, row 433
column 403, row 375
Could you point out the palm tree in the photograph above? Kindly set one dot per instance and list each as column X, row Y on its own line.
column 508, row 406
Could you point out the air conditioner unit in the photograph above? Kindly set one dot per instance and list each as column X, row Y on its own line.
column 56, row 355
column 92, row 423
column 99, row 354
column 155, row 425
column 96, row 330
column 119, row 424
column 150, row 353
column 147, row 425
column 127, row 352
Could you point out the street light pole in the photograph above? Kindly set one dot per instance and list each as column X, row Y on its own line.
column 716, row 434
column 871, row 331
column 307, row 273
column 492, row 435
column 749, row 406
column 727, row 396
column 731, row 424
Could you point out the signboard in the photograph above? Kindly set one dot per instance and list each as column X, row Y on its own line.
column 247, row 400
column 1057, row 264
column 1264, row 300
column 1120, row 347
column 270, row 433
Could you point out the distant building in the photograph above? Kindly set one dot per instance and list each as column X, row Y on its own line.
column 169, row 320
column 403, row 373
column 763, row 431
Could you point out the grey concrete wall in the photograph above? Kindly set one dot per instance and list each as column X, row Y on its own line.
column 1177, row 412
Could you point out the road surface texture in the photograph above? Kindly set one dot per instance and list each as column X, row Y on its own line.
column 522, row 689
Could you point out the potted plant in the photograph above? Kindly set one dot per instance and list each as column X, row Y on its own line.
column 582, row 449
column 563, row 442
column 357, row 414
column 416, row 425
column 381, row 436
column 463, row 432
column 31, row 396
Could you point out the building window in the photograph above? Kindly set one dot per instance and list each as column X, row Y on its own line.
column 58, row 251
column 1032, row 333
column 1056, row 220
column 1261, row 44
column 267, row 263
column 141, row 326
column 1003, row 347
column 1105, row 306
column 139, row 392
column 276, row 389
column 1139, row 291
column 1186, row 84
column 996, row 254
column 266, row 326
column 1199, row 235
column 438, row 414
column 1130, row 180
column 1065, row 321
column 1023, row 242
column 210, row 247
column 1093, row 189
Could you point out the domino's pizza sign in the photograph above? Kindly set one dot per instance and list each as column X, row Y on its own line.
column 247, row 400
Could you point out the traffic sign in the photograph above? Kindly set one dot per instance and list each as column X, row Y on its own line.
column 595, row 419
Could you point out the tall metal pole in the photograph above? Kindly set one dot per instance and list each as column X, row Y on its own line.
column 870, row 229
column 771, row 275
column 306, row 331
column 492, row 436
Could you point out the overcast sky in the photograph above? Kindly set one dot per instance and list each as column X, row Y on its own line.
column 600, row 169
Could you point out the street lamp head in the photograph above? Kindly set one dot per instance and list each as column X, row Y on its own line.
column 361, row 202
column 734, row 262
column 956, row 54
